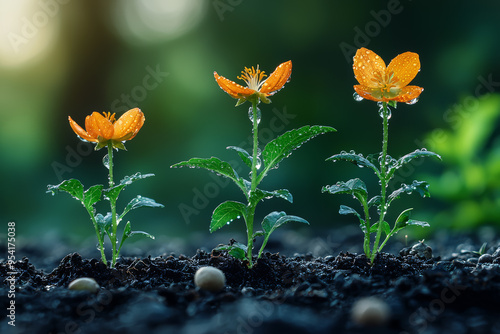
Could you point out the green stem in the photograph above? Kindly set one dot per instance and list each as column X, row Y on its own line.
column 112, row 202
column 99, row 237
column 251, row 205
column 383, row 178
column 366, row 244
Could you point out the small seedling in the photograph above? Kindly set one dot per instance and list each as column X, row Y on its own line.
column 106, row 131
column 387, row 86
column 260, row 163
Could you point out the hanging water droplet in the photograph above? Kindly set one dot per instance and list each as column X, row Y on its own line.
column 258, row 163
column 357, row 97
column 415, row 100
column 258, row 115
column 105, row 161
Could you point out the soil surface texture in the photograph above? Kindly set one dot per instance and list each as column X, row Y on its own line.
column 412, row 290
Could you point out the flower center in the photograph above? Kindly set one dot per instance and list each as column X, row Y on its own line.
column 253, row 77
column 110, row 116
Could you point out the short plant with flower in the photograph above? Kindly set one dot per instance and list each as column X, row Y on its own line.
column 387, row 86
column 259, row 162
column 105, row 131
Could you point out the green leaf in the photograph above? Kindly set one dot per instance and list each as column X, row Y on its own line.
column 114, row 192
column 354, row 158
column 92, row 196
column 275, row 219
column 375, row 200
column 355, row 187
column 419, row 186
column 73, row 187
column 104, row 222
column 346, row 210
column 225, row 213
column 260, row 194
column 420, row 153
column 282, row 146
column 139, row 202
column 258, row 234
column 386, row 228
column 215, row 165
column 244, row 155
column 404, row 220
column 236, row 250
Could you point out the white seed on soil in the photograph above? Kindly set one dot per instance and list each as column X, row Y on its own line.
column 84, row 284
column 210, row 278
column 370, row 311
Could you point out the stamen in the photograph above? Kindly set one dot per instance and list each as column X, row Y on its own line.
column 253, row 77
column 110, row 116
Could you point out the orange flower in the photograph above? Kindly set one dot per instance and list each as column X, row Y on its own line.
column 103, row 129
column 381, row 83
column 256, row 86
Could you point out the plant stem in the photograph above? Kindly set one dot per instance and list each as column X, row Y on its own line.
column 254, row 183
column 383, row 178
column 99, row 237
column 112, row 202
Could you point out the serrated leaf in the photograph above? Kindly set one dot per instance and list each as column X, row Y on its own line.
column 244, row 155
column 73, row 187
column 260, row 194
column 355, row 187
column 419, row 186
column 114, row 192
column 354, row 158
column 275, row 219
column 139, row 202
column 92, row 196
column 282, row 146
column 225, row 213
column 215, row 165
column 420, row 153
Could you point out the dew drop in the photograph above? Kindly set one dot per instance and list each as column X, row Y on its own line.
column 415, row 100
column 258, row 115
column 357, row 97
column 105, row 161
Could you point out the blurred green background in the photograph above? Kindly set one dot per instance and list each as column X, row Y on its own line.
column 61, row 58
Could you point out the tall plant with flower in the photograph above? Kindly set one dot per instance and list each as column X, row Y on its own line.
column 105, row 131
column 258, row 89
column 385, row 85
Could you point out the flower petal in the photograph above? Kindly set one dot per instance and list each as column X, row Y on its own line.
column 277, row 79
column 409, row 93
column 365, row 92
column 80, row 131
column 99, row 126
column 128, row 125
column 405, row 67
column 232, row 88
column 366, row 64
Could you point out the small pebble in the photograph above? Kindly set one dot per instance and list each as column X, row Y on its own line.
column 210, row 279
column 370, row 311
column 485, row 258
column 84, row 284
column 421, row 250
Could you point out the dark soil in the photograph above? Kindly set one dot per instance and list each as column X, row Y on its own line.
column 452, row 293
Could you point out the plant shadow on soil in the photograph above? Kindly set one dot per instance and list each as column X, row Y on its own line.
column 456, row 292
